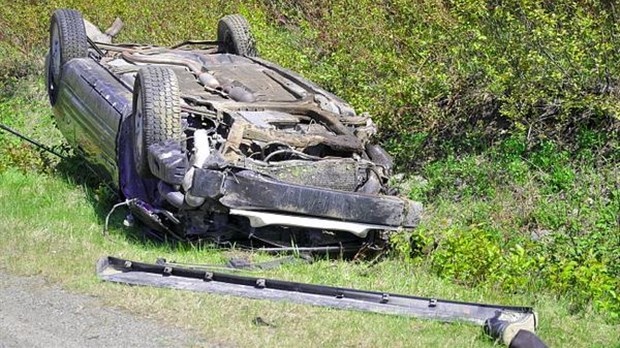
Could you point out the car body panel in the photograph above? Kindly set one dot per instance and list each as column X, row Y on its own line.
column 90, row 107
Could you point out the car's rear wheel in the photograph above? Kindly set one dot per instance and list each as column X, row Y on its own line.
column 68, row 40
column 234, row 36
column 157, row 112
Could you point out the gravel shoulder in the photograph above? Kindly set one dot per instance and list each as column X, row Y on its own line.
column 35, row 314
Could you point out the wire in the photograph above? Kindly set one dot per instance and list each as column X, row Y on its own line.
column 19, row 135
column 295, row 152
column 107, row 218
column 95, row 47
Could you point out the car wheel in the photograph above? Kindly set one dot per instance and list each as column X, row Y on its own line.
column 156, row 113
column 234, row 36
column 67, row 41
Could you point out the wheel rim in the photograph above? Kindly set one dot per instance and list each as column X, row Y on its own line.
column 55, row 57
column 138, row 130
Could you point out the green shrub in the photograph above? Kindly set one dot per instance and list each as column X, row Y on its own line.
column 523, row 220
column 478, row 257
column 508, row 111
column 468, row 256
column 439, row 76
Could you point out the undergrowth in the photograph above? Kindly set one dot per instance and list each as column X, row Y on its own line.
column 504, row 116
column 523, row 221
column 446, row 76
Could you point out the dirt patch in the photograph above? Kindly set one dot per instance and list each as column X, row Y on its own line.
column 35, row 314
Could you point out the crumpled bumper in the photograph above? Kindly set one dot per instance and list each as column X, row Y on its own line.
column 249, row 191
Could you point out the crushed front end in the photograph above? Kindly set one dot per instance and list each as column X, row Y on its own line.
column 267, row 159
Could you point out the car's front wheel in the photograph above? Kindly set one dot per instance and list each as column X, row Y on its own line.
column 68, row 40
column 156, row 113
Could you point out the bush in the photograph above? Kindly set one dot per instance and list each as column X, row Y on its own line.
column 523, row 221
column 441, row 75
column 437, row 75
column 507, row 110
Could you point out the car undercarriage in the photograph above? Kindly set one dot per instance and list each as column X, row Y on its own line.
column 206, row 140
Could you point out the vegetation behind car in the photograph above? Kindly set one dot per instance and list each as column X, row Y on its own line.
column 504, row 118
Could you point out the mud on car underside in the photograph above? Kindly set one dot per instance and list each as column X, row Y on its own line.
column 207, row 140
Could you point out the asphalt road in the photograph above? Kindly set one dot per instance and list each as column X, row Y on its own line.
column 34, row 314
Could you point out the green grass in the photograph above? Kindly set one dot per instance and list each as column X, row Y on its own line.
column 61, row 242
column 51, row 220
column 508, row 133
column 24, row 107
column 546, row 219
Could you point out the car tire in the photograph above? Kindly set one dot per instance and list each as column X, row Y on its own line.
column 156, row 113
column 68, row 40
column 235, row 37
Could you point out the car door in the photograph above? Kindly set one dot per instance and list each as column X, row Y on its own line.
column 91, row 104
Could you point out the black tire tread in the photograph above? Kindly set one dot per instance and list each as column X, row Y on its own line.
column 239, row 30
column 73, row 44
column 73, row 39
column 161, row 108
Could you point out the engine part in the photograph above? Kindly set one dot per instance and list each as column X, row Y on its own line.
column 173, row 197
column 201, row 145
column 168, row 162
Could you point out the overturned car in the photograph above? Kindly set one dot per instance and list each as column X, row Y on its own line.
column 206, row 140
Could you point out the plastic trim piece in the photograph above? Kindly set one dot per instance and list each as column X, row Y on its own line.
column 262, row 219
column 136, row 273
